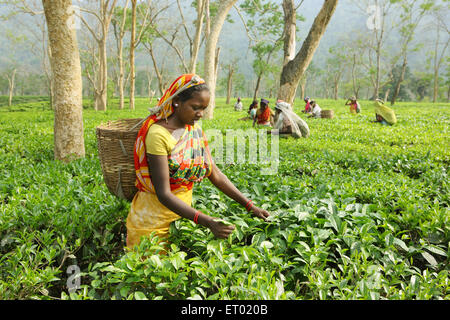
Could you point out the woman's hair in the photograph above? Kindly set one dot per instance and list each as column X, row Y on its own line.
column 188, row 93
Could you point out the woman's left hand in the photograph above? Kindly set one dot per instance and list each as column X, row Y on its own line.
column 260, row 213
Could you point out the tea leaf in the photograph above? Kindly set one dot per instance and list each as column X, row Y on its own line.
column 429, row 258
column 400, row 244
column 138, row 295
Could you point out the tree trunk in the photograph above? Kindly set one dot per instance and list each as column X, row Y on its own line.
column 121, row 77
column 104, row 17
column 198, row 32
column 293, row 71
column 210, row 50
column 46, row 52
column 216, row 63
column 399, row 82
column 354, row 80
column 66, row 70
column 302, row 89
column 386, row 94
column 436, row 68
column 258, row 81
column 336, row 89
column 151, row 93
column 448, row 94
column 120, row 82
column 11, row 81
column 229, row 82
column 376, row 90
column 289, row 30
column 132, row 47
column 379, row 38
column 208, row 20
column 102, row 94
column 157, row 71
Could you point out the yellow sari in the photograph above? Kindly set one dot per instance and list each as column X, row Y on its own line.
column 387, row 113
column 148, row 215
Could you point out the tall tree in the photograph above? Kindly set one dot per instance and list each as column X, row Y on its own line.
column 265, row 31
column 143, row 10
column 66, row 69
column 440, row 45
column 132, row 50
column 103, row 16
column 200, row 7
column 411, row 14
column 119, row 26
column 337, row 63
column 149, row 36
column 11, row 76
column 294, row 69
column 173, row 35
column 379, row 26
column 37, row 27
column 231, row 70
column 210, row 52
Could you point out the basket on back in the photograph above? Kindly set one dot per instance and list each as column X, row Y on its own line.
column 327, row 114
column 115, row 141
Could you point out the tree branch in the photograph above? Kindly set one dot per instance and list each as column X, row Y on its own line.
column 244, row 23
column 183, row 22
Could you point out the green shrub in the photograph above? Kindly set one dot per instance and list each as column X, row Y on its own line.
column 359, row 211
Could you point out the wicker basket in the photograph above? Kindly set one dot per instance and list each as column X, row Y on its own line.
column 115, row 141
column 327, row 114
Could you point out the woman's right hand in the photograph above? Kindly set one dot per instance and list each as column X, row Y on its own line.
column 220, row 229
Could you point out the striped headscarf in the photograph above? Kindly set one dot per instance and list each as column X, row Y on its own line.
column 190, row 160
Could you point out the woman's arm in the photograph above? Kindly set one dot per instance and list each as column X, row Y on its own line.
column 222, row 182
column 160, row 178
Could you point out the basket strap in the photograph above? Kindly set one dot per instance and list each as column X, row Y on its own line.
column 139, row 123
column 119, row 190
column 123, row 148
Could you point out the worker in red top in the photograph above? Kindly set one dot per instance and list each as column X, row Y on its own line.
column 307, row 106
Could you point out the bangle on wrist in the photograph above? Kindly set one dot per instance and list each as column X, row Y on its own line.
column 249, row 205
column 196, row 217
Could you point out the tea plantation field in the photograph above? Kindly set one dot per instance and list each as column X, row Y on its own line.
column 359, row 211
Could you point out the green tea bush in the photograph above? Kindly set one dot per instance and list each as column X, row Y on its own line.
column 359, row 211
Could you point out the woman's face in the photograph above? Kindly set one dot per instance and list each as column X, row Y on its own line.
column 191, row 110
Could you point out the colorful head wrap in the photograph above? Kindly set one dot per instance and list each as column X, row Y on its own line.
column 164, row 107
column 190, row 159
column 265, row 101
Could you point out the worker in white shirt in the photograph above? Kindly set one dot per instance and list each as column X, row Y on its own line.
column 315, row 110
column 238, row 105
